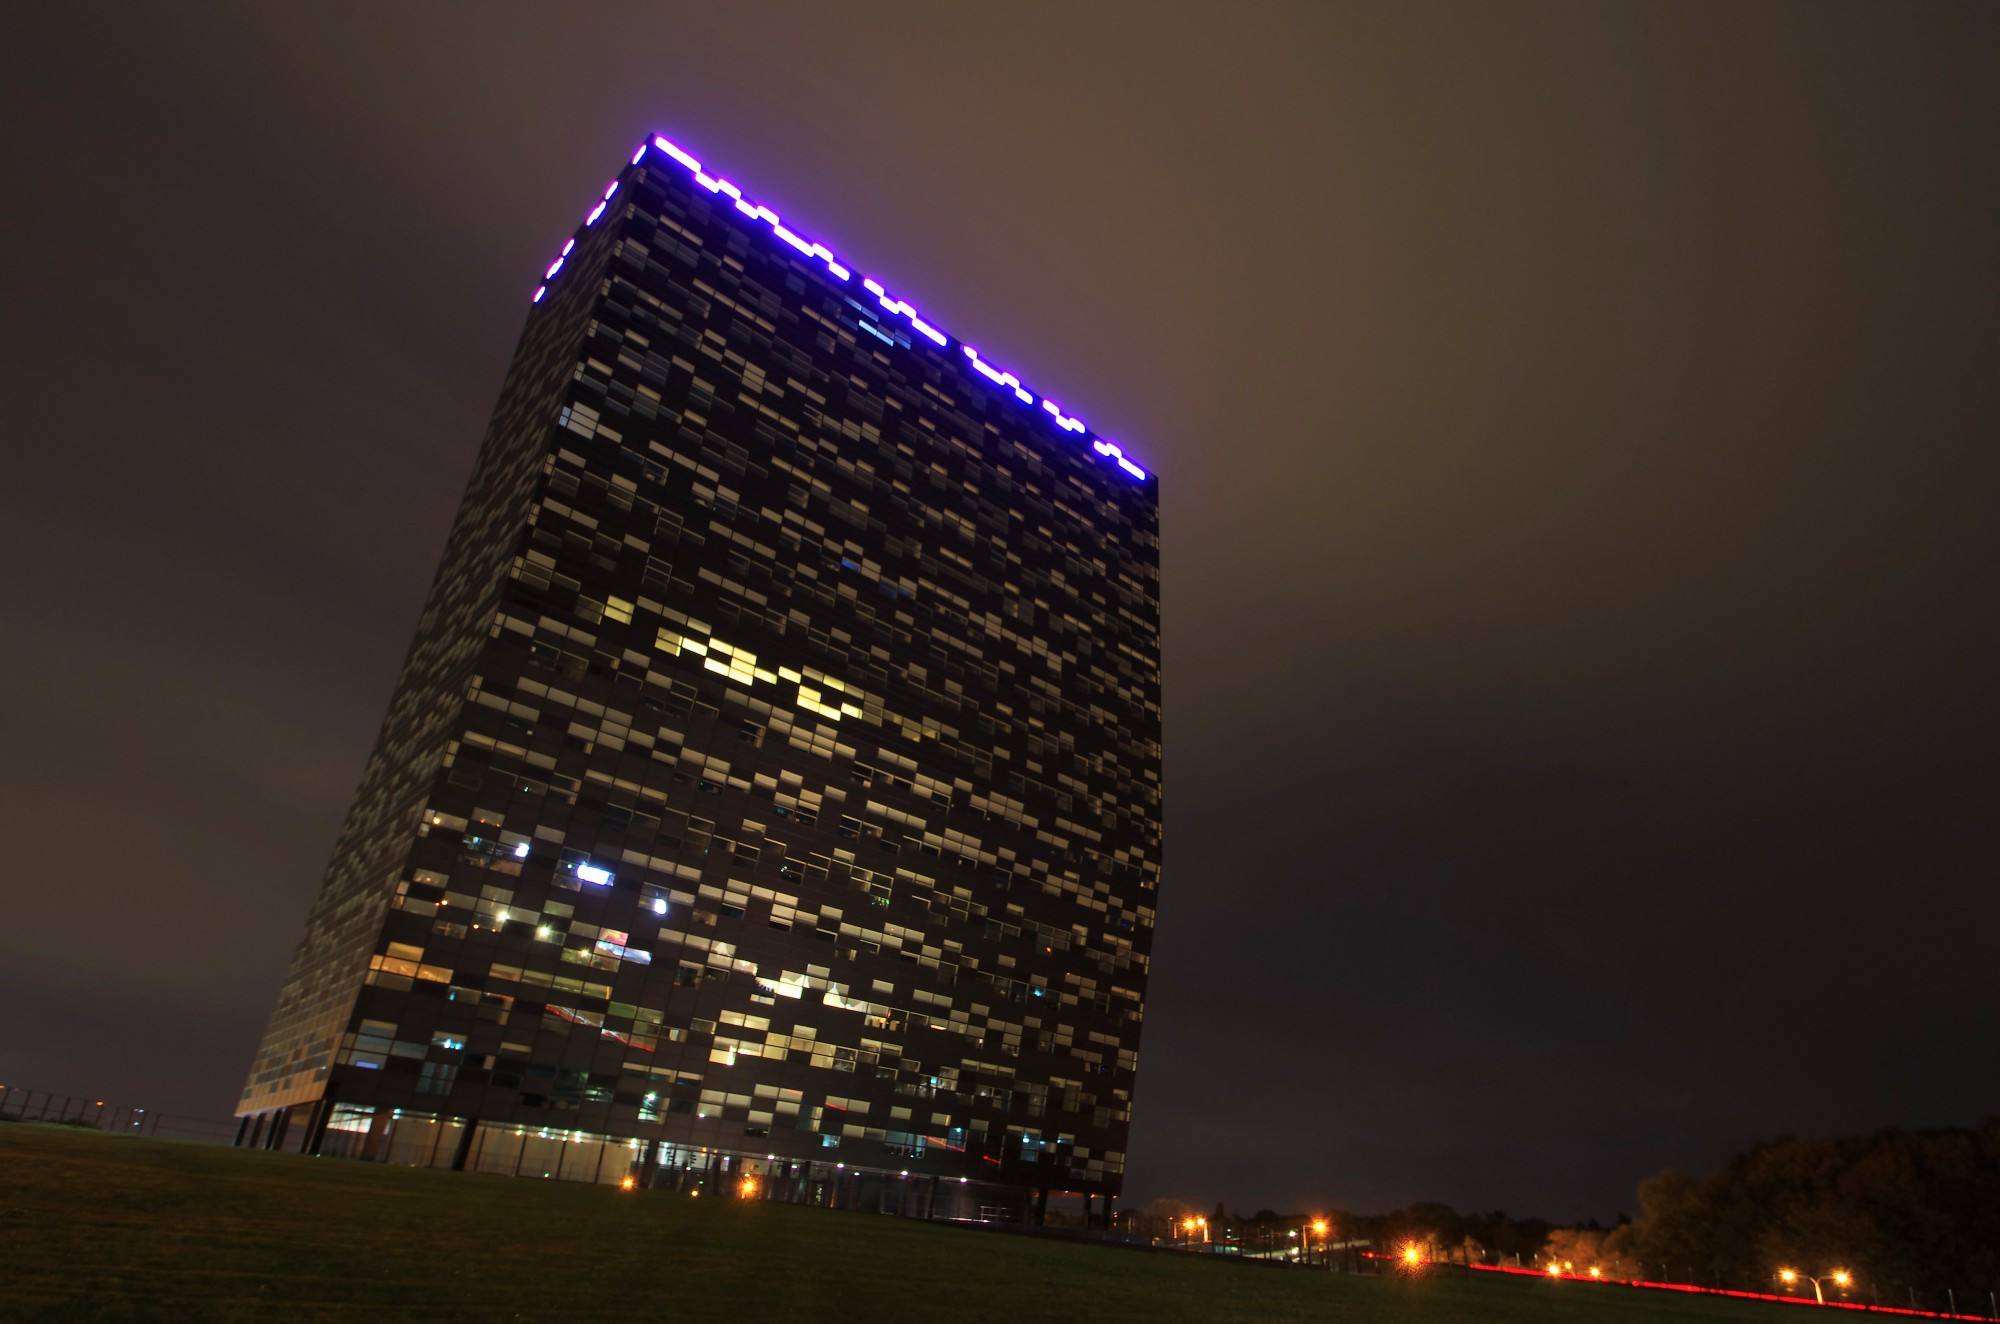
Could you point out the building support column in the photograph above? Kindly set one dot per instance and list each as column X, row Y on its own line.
column 371, row 1144
column 464, row 1148
column 316, row 1124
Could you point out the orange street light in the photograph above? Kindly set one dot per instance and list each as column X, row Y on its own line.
column 629, row 1183
column 748, row 1188
column 1839, row 1278
column 1413, row 1255
column 1316, row 1229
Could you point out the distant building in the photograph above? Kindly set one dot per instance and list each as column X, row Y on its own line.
column 772, row 790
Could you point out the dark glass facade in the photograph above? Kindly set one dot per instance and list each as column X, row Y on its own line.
column 772, row 791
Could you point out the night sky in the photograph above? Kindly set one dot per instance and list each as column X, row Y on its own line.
column 1577, row 433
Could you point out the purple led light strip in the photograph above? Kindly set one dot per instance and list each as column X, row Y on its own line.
column 821, row 253
column 588, row 221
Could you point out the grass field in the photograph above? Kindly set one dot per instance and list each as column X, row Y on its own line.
column 98, row 1227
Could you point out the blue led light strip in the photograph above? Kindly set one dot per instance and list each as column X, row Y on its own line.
column 1006, row 381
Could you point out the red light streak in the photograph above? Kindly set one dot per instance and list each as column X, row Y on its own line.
column 1744, row 1296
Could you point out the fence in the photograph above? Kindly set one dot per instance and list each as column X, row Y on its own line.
column 25, row 1105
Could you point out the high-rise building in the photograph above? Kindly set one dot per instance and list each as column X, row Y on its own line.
column 771, row 794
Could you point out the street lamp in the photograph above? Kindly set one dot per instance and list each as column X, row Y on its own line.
column 1839, row 1278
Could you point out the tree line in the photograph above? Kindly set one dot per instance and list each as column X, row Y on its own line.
column 1902, row 1212
column 1907, row 1216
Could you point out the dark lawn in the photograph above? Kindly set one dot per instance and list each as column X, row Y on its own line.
column 113, row 1227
